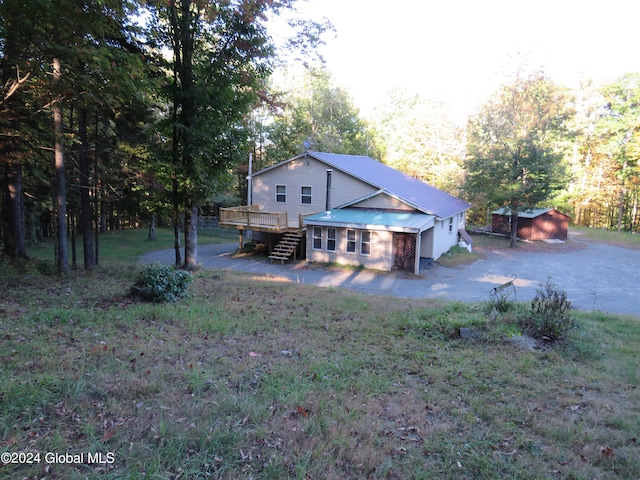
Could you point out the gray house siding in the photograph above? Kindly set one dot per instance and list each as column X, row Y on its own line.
column 378, row 258
column 446, row 234
column 426, row 244
column 382, row 201
column 305, row 172
column 401, row 218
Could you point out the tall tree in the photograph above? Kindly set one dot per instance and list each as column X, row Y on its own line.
column 513, row 150
column 219, row 53
column 315, row 111
column 15, row 70
column 619, row 128
column 605, row 174
column 62, row 259
column 421, row 138
column 87, row 38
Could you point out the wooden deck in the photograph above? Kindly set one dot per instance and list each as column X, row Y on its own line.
column 249, row 217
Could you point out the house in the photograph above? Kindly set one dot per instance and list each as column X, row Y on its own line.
column 349, row 209
column 535, row 224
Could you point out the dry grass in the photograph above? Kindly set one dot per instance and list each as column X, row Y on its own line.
column 260, row 378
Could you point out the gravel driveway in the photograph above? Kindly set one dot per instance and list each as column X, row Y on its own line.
column 596, row 276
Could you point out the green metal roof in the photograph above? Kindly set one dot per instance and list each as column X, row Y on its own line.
column 373, row 220
column 533, row 213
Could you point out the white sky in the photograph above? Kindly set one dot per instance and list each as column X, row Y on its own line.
column 456, row 50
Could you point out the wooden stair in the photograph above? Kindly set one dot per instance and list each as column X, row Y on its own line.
column 286, row 247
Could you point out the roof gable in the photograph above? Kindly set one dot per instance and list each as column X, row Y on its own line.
column 412, row 191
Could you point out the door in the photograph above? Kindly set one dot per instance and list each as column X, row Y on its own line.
column 404, row 251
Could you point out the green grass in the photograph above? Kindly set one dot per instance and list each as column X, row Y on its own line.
column 458, row 256
column 125, row 246
column 259, row 378
column 622, row 239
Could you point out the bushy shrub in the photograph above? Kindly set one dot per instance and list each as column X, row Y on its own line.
column 162, row 283
column 550, row 316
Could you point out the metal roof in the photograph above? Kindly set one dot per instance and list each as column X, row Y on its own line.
column 373, row 220
column 532, row 213
column 412, row 191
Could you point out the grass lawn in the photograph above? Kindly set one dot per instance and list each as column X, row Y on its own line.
column 125, row 246
column 259, row 378
column 622, row 239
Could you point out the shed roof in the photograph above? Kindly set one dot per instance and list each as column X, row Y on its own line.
column 412, row 191
column 532, row 213
column 373, row 220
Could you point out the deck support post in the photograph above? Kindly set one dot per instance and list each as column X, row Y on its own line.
column 240, row 241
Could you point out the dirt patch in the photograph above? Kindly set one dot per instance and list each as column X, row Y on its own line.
column 486, row 243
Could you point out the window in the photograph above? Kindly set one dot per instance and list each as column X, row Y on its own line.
column 305, row 195
column 351, row 241
column 317, row 238
column 450, row 224
column 281, row 194
column 365, row 242
column 331, row 239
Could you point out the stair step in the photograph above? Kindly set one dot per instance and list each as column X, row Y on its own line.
column 286, row 246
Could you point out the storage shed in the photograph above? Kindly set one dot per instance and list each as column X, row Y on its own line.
column 536, row 224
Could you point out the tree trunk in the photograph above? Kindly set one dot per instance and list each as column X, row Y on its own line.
column 514, row 229
column 60, row 181
column 86, row 212
column 152, row 228
column 620, row 209
column 13, row 202
column 191, row 236
column 176, row 237
column 13, row 212
column 72, row 228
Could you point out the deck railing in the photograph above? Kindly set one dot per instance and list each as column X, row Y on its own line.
column 301, row 218
column 250, row 216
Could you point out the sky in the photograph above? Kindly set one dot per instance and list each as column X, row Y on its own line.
column 460, row 51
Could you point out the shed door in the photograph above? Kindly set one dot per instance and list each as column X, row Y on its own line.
column 404, row 248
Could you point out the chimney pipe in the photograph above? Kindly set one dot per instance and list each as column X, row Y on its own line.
column 328, row 203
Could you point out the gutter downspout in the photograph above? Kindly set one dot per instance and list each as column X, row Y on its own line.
column 328, row 198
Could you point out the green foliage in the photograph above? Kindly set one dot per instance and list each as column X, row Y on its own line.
column 163, row 283
column 316, row 110
column 515, row 150
column 550, row 317
column 500, row 303
column 607, row 168
column 422, row 138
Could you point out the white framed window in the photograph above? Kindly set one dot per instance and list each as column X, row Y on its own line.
column 365, row 242
column 351, row 241
column 450, row 224
column 331, row 239
column 305, row 195
column 281, row 194
column 317, row 238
